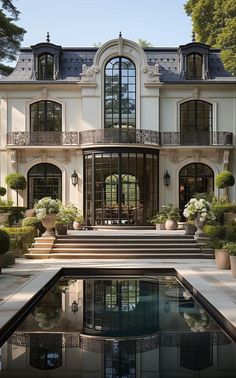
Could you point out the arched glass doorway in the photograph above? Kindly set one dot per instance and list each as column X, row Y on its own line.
column 121, row 187
column 44, row 180
column 194, row 178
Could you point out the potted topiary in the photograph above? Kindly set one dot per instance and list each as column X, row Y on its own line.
column 46, row 211
column 4, row 246
column 16, row 181
column 231, row 247
column 78, row 222
column 201, row 211
column 159, row 220
column 223, row 181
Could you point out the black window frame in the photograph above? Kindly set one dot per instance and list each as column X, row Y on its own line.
column 197, row 72
column 47, row 122
column 48, row 72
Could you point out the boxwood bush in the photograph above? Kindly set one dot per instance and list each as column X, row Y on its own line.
column 21, row 238
column 4, row 242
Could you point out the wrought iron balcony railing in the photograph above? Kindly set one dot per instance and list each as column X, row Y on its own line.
column 114, row 136
column 118, row 136
column 197, row 139
column 43, row 138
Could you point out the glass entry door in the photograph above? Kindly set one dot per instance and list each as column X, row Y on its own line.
column 120, row 188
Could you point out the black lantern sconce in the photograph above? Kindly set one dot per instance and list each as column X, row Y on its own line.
column 74, row 307
column 166, row 179
column 74, row 178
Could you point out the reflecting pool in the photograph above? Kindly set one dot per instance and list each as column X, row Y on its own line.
column 118, row 327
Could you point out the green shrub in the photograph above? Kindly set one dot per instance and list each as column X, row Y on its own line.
column 230, row 232
column 16, row 181
column 30, row 222
column 224, row 179
column 21, row 238
column 220, row 208
column 17, row 213
column 4, row 242
column 215, row 232
column 2, row 191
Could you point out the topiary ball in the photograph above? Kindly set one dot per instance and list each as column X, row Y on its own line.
column 224, row 179
column 2, row 191
column 4, row 242
column 16, row 181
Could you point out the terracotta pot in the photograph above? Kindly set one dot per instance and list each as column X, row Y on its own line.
column 49, row 223
column 233, row 265
column 222, row 259
column 160, row 226
column 171, row 224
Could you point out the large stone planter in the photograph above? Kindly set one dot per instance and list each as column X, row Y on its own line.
column 233, row 265
column 199, row 224
column 49, row 223
column 222, row 259
column 160, row 226
column 229, row 217
column 4, row 217
column 77, row 225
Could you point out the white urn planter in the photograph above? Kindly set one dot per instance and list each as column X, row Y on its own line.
column 49, row 223
column 171, row 224
column 199, row 224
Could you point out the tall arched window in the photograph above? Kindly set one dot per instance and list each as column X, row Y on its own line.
column 195, row 122
column 45, row 116
column 120, row 93
column 45, row 67
column 44, row 180
column 194, row 66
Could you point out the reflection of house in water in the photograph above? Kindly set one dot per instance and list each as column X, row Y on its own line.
column 118, row 328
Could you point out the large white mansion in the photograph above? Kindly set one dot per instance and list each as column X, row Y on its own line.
column 140, row 127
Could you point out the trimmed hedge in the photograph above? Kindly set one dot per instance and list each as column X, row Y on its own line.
column 17, row 213
column 224, row 179
column 2, row 191
column 4, row 242
column 16, row 181
column 21, row 238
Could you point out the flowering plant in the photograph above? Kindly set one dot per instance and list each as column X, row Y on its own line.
column 197, row 322
column 47, row 205
column 199, row 207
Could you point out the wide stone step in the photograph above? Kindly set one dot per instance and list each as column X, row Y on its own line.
column 126, row 250
column 143, row 245
column 100, row 256
column 89, row 236
column 121, row 240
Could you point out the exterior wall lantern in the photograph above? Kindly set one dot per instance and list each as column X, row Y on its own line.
column 74, row 178
column 166, row 179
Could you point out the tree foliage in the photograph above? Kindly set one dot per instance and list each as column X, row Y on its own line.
column 214, row 23
column 144, row 43
column 11, row 35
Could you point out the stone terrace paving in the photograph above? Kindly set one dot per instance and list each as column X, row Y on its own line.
column 21, row 281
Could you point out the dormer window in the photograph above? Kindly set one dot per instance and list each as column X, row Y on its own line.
column 194, row 66
column 45, row 67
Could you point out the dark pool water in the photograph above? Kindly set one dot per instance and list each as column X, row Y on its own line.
column 118, row 327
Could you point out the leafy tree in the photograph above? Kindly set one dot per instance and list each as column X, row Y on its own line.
column 143, row 43
column 11, row 35
column 214, row 23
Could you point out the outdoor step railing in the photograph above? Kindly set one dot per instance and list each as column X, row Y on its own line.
column 118, row 136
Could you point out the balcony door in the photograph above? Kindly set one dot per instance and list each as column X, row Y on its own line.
column 195, row 123
column 44, row 180
column 194, row 178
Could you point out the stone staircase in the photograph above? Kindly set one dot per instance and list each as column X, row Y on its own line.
column 101, row 245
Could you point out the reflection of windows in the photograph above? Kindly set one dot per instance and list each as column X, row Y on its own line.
column 45, row 351
column 194, row 66
column 120, row 93
column 45, row 67
column 45, row 116
column 120, row 359
column 121, row 295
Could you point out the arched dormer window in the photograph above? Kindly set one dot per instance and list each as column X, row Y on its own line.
column 194, row 66
column 120, row 93
column 45, row 67
column 45, row 116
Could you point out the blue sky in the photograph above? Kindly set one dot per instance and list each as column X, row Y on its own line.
column 84, row 22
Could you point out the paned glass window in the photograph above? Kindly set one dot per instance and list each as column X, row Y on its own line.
column 45, row 116
column 45, row 67
column 194, row 66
